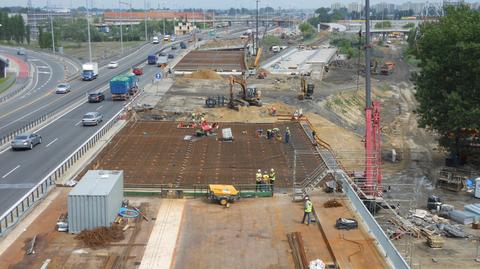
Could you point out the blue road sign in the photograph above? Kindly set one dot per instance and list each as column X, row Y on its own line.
column 158, row 76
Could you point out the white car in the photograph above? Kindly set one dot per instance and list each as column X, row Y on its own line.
column 63, row 88
column 113, row 64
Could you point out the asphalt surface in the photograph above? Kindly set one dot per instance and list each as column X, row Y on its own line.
column 23, row 107
column 21, row 170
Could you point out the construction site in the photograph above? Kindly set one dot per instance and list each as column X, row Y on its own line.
column 379, row 190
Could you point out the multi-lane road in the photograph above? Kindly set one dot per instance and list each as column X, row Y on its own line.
column 21, row 170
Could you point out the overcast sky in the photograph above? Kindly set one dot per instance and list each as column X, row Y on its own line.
column 221, row 4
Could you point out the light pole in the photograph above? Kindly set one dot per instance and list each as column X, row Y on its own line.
column 88, row 32
column 145, row 15
column 121, row 24
column 51, row 28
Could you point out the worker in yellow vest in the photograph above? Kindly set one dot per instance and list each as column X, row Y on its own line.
column 258, row 179
column 266, row 181
column 272, row 177
column 307, row 210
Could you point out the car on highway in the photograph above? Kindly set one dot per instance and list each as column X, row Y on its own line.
column 92, row 118
column 174, row 47
column 96, row 97
column 26, row 141
column 21, row 51
column 63, row 88
column 138, row 71
column 112, row 65
column 171, row 56
column 162, row 54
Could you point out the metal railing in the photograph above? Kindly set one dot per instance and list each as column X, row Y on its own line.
column 14, row 213
column 7, row 138
column 390, row 252
column 198, row 190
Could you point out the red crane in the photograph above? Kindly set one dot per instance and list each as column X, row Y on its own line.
column 373, row 151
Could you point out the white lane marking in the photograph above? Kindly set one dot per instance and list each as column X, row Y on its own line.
column 43, row 66
column 98, row 108
column 11, row 171
column 78, row 123
column 53, row 141
column 43, row 72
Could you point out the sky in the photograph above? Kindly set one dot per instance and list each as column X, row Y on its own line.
column 220, row 4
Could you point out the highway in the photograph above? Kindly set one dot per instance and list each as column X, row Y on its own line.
column 24, row 106
column 21, row 170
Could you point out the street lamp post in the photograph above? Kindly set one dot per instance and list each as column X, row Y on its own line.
column 121, row 25
column 51, row 28
column 145, row 15
column 88, row 32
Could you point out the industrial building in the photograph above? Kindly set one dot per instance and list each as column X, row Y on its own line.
column 95, row 200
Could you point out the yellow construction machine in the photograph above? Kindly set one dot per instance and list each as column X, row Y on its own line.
column 224, row 194
column 248, row 96
column 306, row 90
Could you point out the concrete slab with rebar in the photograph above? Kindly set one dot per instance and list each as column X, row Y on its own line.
column 155, row 152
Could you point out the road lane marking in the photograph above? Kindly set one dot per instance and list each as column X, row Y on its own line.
column 43, row 72
column 43, row 66
column 11, row 171
column 53, row 141
column 78, row 123
column 98, row 108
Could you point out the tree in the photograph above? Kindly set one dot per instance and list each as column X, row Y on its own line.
column 28, row 32
column 448, row 85
column 383, row 24
column 307, row 30
column 409, row 25
column 270, row 40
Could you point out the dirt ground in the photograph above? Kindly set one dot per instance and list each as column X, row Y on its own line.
column 337, row 111
column 252, row 233
column 66, row 252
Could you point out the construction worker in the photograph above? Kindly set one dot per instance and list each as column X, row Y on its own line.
column 272, row 176
column 193, row 116
column 287, row 135
column 274, row 111
column 258, row 179
column 269, row 133
column 307, row 210
column 266, row 180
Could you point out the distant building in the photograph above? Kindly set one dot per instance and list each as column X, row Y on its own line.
column 453, row 2
column 184, row 27
column 381, row 7
column 336, row 6
column 416, row 7
column 114, row 17
column 355, row 7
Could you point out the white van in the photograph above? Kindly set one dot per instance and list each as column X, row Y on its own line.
column 155, row 40
column 275, row 49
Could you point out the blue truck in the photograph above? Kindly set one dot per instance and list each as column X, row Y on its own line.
column 123, row 86
column 89, row 71
column 152, row 59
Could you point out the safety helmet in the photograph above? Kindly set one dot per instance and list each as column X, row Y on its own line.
column 306, row 198
column 259, row 170
column 272, row 170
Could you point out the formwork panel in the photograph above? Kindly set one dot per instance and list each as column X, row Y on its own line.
column 155, row 152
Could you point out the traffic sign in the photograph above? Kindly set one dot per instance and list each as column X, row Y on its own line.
column 158, row 76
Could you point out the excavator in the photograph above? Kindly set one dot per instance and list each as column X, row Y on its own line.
column 248, row 96
column 306, row 90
